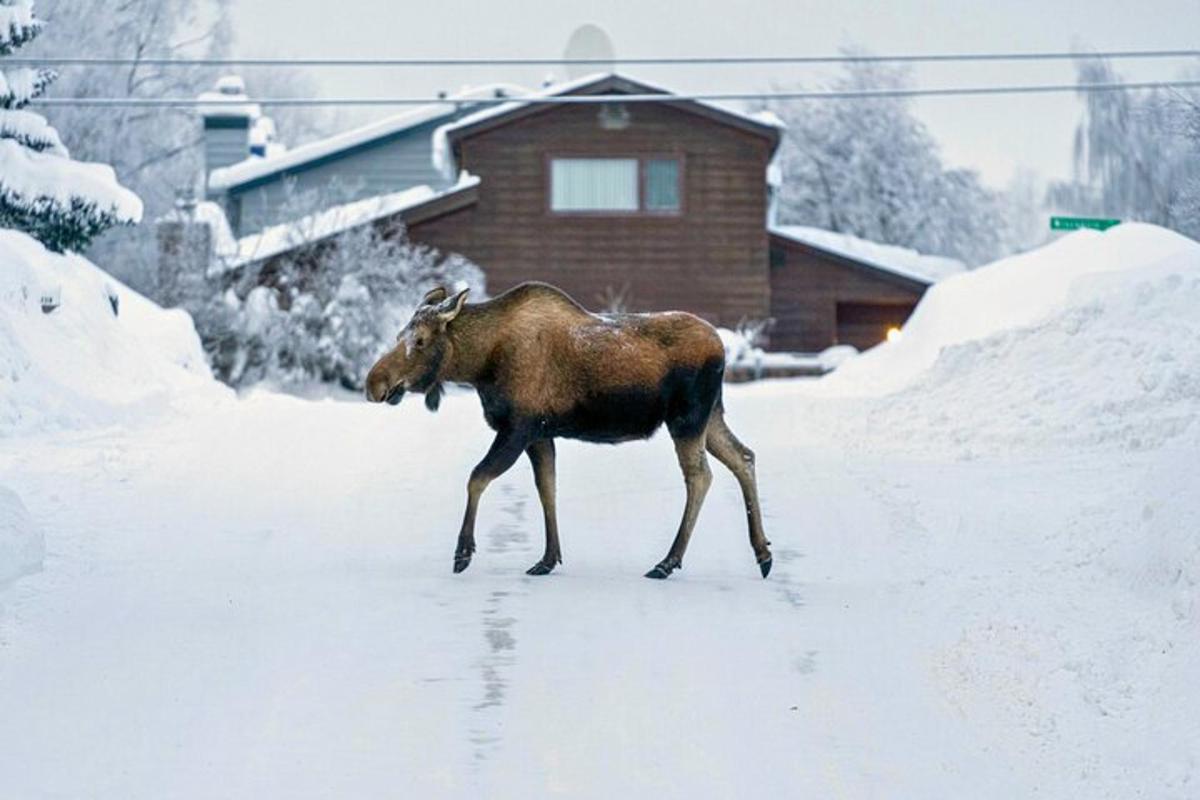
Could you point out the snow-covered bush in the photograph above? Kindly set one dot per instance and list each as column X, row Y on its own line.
column 62, row 203
column 324, row 312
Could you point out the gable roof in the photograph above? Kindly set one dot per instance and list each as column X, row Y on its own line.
column 255, row 169
column 763, row 124
column 898, row 264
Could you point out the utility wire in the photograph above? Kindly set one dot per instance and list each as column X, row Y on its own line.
column 954, row 91
column 65, row 61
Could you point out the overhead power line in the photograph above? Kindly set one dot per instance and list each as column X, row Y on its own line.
column 952, row 91
column 64, row 61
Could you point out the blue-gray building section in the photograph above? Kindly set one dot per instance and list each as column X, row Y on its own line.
column 391, row 163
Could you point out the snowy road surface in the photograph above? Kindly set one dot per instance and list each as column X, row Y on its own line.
column 256, row 601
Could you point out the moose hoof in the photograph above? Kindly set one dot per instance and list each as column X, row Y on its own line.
column 662, row 570
column 540, row 568
column 765, row 566
column 461, row 563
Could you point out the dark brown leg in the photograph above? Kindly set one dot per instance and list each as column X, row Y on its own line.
column 697, row 477
column 726, row 448
column 541, row 455
column 505, row 450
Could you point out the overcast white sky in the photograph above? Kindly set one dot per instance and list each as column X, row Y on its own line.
column 995, row 135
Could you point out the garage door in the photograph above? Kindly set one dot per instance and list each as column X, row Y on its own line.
column 866, row 324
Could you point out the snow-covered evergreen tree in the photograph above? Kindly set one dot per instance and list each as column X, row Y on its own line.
column 60, row 202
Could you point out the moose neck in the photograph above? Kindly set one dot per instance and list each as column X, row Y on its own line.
column 474, row 337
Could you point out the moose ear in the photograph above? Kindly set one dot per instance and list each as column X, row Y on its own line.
column 434, row 295
column 448, row 310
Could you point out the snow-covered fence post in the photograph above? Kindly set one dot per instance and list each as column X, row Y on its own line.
column 185, row 250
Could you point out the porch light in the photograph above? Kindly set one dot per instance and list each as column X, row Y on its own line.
column 893, row 334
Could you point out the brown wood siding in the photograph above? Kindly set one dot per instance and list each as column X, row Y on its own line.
column 806, row 289
column 711, row 259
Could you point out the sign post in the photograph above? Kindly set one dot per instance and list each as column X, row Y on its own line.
column 1075, row 223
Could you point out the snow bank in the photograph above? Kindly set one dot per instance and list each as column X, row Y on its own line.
column 86, row 363
column 1092, row 339
column 22, row 545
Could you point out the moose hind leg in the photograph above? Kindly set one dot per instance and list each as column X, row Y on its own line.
column 739, row 459
column 697, row 477
column 503, row 453
column 541, row 455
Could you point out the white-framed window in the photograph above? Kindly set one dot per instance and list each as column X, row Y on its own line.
column 594, row 184
column 615, row 185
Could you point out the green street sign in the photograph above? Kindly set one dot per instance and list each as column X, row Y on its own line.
column 1075, row 223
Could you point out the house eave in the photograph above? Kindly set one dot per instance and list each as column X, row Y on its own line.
column 875, row 270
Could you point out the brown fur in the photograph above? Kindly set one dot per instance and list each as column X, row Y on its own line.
column 546, row 367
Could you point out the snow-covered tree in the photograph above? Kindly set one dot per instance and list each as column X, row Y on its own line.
column 870, row 168
column 157, row 152
column 1136, row 154
column 327, row 310
column 62, row 203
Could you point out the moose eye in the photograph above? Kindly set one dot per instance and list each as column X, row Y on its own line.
column 419, row 341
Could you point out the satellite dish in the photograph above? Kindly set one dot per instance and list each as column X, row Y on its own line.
column 592, row 43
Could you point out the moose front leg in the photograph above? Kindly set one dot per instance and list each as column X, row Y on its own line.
column 541, row 455
column 505, row 450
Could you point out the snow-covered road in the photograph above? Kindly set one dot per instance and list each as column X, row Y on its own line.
column 255, row 600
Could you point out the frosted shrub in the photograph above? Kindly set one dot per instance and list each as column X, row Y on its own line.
column 327, row 311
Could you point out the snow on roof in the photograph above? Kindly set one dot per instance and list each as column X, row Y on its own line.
column 898, row 260
column 257, row 167
column 331, row 221
column 222, row 100
column 443, row 159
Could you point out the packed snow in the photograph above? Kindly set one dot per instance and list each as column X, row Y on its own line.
column 22, row 544
column 902, row 261
column 975, row 594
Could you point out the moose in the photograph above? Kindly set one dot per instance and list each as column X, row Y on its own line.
column 545, row 368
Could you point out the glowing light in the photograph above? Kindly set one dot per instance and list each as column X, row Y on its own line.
column 893, row 334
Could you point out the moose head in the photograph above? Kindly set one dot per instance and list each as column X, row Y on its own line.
column 422, row 347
